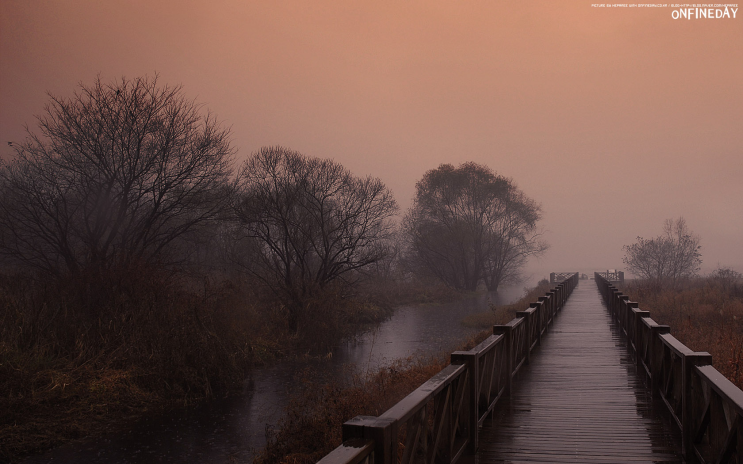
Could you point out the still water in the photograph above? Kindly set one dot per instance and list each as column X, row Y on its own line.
column 231, row 430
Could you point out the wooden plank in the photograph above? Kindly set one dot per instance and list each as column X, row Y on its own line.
column 580, row 399
column 675, row 345
column 405, row 408
column 351, row 451
column 485, row 345
column 649, row 322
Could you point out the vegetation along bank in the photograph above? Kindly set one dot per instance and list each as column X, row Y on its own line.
column 142, row 267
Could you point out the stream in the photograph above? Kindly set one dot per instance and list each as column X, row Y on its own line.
column 233, row 429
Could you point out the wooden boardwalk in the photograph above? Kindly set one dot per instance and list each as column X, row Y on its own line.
column 580, row 399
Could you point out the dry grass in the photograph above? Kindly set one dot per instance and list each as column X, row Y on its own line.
column 503, row 314
column 74, row 364
column 91, row 355
column 311, row 427
column 705, row 314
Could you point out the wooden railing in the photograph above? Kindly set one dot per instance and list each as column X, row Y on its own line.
column 440, row 420
column 706, row 406
column 557, row 277
column 612, row 276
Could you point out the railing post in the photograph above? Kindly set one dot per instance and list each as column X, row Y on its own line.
column 376, row 429
column 507, row 332
column 624, row 314
column 527, row 332
column 614, row 299
column 701, row 358
column 637, row 324
column 656, row 356
column 553, row 304
column 563, row 293
column 612, row 302
column 539, row 314
column 617, row 298
column 634, row 320
column 470, row 360
column 546, row 311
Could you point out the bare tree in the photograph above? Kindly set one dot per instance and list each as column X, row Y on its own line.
column 469, row 225
column 667, row 258
column 116, row 175
column 513, row 238
column 728, row 279
column 312, row 223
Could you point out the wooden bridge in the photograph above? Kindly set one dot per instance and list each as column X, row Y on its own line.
column 578, row 380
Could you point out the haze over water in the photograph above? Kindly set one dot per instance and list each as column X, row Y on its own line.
column 614, row 119
column 230, row 429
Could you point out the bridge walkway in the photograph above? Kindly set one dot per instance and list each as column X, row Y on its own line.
column 580, row 399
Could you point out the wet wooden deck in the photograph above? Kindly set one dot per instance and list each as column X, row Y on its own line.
column 580, row 399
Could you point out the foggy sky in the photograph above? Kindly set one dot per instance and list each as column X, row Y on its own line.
column 613, row 119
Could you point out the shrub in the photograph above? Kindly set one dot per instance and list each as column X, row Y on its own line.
column 705, row 314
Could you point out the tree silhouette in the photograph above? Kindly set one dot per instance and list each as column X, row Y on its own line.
column 312, row 224
column 117, row 175
column 469, row 225
column 667, row 258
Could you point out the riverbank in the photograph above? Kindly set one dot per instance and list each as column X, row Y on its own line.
column 193, row 348
column 67, row 372
column 311, row 424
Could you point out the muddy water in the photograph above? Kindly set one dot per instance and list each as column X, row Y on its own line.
column 231, row 430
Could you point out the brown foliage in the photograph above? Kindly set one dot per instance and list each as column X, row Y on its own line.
column 503, row 314
column 311, row 427
column 705, row 314
column 91, row 354
column 67, row 371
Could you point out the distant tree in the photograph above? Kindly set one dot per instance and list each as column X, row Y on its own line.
column 667, row 258
column 116, row 175
column 513, row 238
column 469, row 225
column 312, row 224
column 728, row 279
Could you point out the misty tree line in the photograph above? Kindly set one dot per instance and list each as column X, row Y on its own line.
column 131, row 175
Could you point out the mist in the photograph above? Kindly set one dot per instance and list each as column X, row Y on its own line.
column 612, row 119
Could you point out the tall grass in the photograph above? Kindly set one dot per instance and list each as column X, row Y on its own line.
column 311, row 426
column 81, row 357
column 93, row 353
column 704, row 313
column 500, row 314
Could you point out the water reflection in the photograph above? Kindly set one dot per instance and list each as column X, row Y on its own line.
column 230, row 430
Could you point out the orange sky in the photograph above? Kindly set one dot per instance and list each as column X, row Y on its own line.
column 612, row 118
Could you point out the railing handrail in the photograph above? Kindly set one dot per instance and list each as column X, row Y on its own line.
column 707, row 407
column 675, row 344
column 353, row 451
column 611, row 276
column 408, row 406
column 464, row 393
